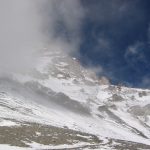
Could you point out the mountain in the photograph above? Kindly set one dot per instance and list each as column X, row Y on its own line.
column 62, row 105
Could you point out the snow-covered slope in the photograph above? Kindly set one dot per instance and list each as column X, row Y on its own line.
column 60, row 94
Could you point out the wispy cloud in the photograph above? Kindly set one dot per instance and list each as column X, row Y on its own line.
column 62, row 22
column 134, row 49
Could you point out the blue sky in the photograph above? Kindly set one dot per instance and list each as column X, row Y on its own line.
column 116, row 37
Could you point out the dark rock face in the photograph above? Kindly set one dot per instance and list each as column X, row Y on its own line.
column 140, row 111
column 117, row 98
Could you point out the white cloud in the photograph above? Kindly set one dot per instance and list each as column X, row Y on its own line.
column 62, row 22
column 19, row 34
column 27, row 25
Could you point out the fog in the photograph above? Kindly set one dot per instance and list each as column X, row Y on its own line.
column 19, row 34
column 27, row 26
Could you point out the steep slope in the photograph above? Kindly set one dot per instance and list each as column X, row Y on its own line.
column 60, row 99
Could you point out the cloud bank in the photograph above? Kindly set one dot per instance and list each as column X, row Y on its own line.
column 29, row 25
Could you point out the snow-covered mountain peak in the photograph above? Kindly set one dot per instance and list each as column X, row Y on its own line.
column 61, row 94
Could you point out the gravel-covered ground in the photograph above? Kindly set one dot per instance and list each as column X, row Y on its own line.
column 27, row 133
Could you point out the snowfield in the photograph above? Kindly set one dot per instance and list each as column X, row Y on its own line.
column 61, row 95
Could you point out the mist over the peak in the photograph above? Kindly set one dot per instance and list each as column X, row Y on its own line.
column 62, row 23
column 29, row 25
